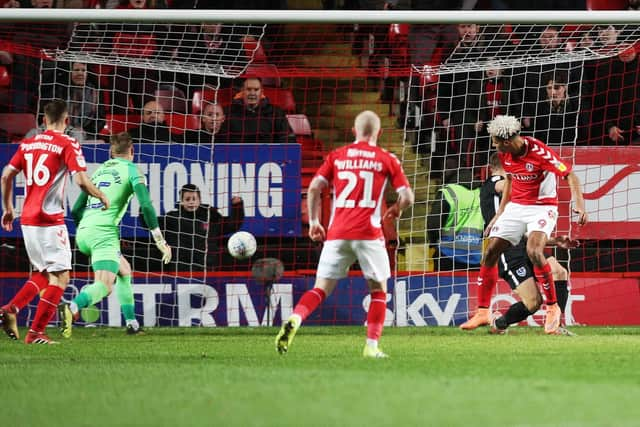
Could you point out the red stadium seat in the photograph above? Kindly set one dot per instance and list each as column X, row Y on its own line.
column 179, row 123
column 5, row 79
column 116, row 123
column 253, row 49
column 134, row 45
column 299, row 124
column 607, row 4
column 17, row 124
column 282, row 98
column 223, row 97
column 268, row 73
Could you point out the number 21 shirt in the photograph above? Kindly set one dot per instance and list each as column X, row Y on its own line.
column 359, row 173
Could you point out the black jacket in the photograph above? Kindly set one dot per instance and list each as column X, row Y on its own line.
column 266, row 124
column 197, row 237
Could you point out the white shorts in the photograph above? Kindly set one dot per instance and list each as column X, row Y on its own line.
column 48, row 247
column 518, row 220
column 339, row 255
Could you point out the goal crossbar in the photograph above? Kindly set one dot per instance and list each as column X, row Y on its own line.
column 317, row 16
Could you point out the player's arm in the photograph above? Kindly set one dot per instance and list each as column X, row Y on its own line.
column 506, row 196
column 84, row 182
column 79, row 207
column 577, row 197
column 314, row 194
column 8, row 214
column 151, row 219
column 405, row 199
column 564, row 242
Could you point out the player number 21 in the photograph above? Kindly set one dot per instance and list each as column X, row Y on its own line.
column 40, row 173
column 343, row 200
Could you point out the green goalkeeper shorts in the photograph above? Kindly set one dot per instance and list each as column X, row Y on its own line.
column 102, row 244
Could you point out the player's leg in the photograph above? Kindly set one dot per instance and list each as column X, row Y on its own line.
column 104, row 248
column 32, row 287
column 517, row 270
column 49, row 252
column 561, row 281
column 541, row 220
column 487, row 279
column 124, row 292
column 506, row 232
column 374, row 262
column 335, row 259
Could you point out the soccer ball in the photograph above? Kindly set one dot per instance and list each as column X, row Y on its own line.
column 242, row 245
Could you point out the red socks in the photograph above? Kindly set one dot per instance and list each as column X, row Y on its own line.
column 46, row 308
column 32, row 287
column 545, row 278
column 486, row 283
column 376, row 314
column 310, row 301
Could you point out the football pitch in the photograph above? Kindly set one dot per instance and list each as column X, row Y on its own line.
column 435, row 376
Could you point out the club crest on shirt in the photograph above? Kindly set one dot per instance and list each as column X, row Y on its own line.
column 529, row 167
column 542, row 223
column 521, row 272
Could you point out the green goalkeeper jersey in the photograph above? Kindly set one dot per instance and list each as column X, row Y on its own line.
column 119, row 179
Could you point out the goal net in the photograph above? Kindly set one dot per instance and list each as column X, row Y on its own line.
column 572, row 87
column 170, row 84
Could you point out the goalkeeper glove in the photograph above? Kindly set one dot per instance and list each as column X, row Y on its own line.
column 161, row 244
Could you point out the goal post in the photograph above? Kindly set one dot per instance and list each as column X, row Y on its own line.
column 117, row 68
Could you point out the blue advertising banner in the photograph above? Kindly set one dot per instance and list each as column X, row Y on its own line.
column 266, row 176
column 234, row 301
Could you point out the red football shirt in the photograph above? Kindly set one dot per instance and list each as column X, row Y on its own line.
column 45, row 160
column 359, row 173
column 533, row 175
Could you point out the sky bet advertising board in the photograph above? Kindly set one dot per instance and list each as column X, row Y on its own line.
column 267, row 177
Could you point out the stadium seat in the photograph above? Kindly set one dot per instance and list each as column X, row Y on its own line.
column 116, row 123
column 5, row 79
column 134, row 45
column 224, row 98
column 607, row 4
column 17, row 124
column 268, row 73
column 178, row 123
column 282, row 98
column 299, row 124
column 171, row 99
column 253, row 48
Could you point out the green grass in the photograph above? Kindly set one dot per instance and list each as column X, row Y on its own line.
column 234, row 377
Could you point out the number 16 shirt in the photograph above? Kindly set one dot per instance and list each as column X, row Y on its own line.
column 45, row 160
column 359, row 173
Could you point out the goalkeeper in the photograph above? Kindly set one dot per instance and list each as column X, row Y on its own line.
column 98, row 234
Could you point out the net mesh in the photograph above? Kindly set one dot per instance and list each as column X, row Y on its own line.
column 320, row 77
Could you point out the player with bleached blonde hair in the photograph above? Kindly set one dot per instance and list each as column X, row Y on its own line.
column 529, row 206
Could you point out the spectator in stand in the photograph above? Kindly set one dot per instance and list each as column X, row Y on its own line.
column 254, row 120
column 153, row 127
column 425, row 38
column 453, row 91
column 556, row 116
column 455, row 224
column 611, row 98
column 196, row 231
column 486, row 99
column 634, row 4
column 86, row 115
column 213, row 129
column 546, row 41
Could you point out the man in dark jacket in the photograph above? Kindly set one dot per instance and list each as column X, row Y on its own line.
column 253, row 119
column 197, row 231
